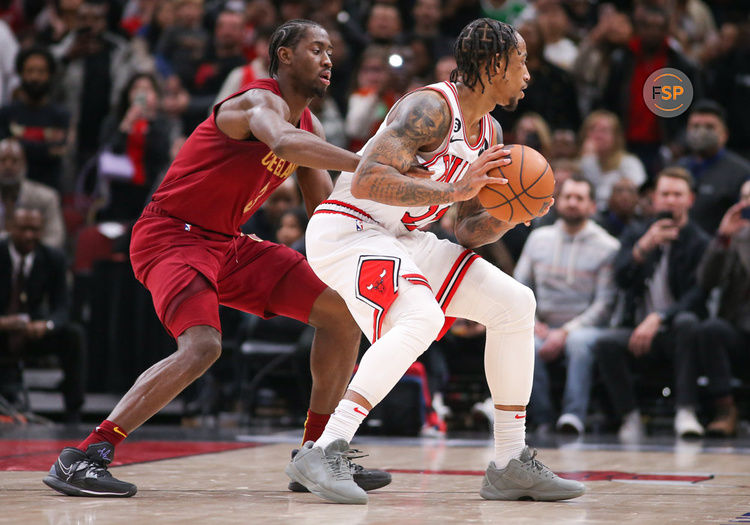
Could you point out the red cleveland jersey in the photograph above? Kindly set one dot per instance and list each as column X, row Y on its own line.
column 216, row 182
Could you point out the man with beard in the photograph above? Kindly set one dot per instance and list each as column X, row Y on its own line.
column 569, row 266
column 32, row 118
column 188, row 251
column 405, row 287
column 718, row 172
column 16, row 191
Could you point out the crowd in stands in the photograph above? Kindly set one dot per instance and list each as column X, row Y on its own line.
column 641, row 269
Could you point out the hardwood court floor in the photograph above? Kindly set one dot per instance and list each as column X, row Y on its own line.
column 434, row 481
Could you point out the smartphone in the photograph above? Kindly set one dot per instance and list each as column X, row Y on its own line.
column 140, row 99
column 745, row 213
column 666, row 214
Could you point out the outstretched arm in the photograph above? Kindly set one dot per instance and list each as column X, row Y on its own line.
column 420, row 122
column 263, row 115
column 316, row 185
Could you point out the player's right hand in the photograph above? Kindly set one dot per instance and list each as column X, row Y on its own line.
column 477, row 177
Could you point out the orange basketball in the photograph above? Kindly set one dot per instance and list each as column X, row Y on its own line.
column 531, row 184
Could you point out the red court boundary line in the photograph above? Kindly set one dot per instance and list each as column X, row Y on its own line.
column 39, row 455
column 582, row 475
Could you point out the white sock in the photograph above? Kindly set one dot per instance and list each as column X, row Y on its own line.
column 343, row 424
column 510, row 436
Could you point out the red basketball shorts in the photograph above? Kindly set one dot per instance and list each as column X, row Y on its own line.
column 199, row 270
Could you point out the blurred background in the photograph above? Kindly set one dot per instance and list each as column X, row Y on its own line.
column 97, row 97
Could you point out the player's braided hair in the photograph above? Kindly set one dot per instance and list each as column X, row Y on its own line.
column 481, row 45
column 287, row 34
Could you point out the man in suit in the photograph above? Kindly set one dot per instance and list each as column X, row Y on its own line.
column 16, row 190
column 34, row 310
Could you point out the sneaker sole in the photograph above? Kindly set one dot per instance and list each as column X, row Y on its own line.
column 293, row 472
column 519, row 494
column 365, row 484
column 71, row 490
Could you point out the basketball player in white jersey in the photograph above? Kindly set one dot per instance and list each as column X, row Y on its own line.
column 404, row 286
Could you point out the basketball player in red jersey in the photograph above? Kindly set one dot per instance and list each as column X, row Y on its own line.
column 187, row 250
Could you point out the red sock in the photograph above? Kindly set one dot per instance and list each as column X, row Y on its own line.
column 315, row 424
column 107, row 431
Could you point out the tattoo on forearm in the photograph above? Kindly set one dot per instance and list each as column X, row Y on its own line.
column 475, row 226
column 419, row 120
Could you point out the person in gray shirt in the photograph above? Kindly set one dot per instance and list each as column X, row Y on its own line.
column 568, row 265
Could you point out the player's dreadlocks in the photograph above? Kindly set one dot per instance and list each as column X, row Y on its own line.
column 482, row 44
column 287, row 34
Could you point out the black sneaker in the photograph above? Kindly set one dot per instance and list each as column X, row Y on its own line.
column 85, row 474
column 367, row 479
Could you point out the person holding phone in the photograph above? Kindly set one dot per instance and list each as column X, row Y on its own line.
column 139, row 131
column 721, row 343
column 655, row 270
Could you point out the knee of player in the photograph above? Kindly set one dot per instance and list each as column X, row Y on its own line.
column 428, row 320
column 201, row 352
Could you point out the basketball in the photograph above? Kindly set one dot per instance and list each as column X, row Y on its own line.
column 530, row 187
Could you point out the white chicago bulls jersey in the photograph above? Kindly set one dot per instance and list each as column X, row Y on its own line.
column 448, row 164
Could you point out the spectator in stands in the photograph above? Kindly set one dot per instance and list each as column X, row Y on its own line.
column 655, row 270
column 184, row 44
column 32, row 117
column 384, row 25
column 722, row 342
column 427, row 15
column 719, row 173
column 96, row 67
column 443, row 68
column 137, row 130
column 16, row 191
column 693, row 26
column 564, row 145
column 568, row 265
column 533, row 131
column 622, row 208
column 8, row 50
column 649, row 50
column 56, row 21
column 34, row 310
column 604, row 159
column 246, row 73
column 144, row 42
column 551, row 91
column 373, row 97
column 291, row 231
column 223, row 55
column 554, row 26
column 266, row 221
column 592, row 66
column 728, row 68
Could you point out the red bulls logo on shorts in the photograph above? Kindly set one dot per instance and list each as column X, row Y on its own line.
column 377, row 285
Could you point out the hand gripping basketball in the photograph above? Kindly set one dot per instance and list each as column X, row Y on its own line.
column 527, row 189
column 478, row 174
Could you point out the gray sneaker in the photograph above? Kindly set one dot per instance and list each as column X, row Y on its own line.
column 527, row 478
column 326, row 473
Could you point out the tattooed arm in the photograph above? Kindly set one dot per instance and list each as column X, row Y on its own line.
column 474, row 225
column 420, row 122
